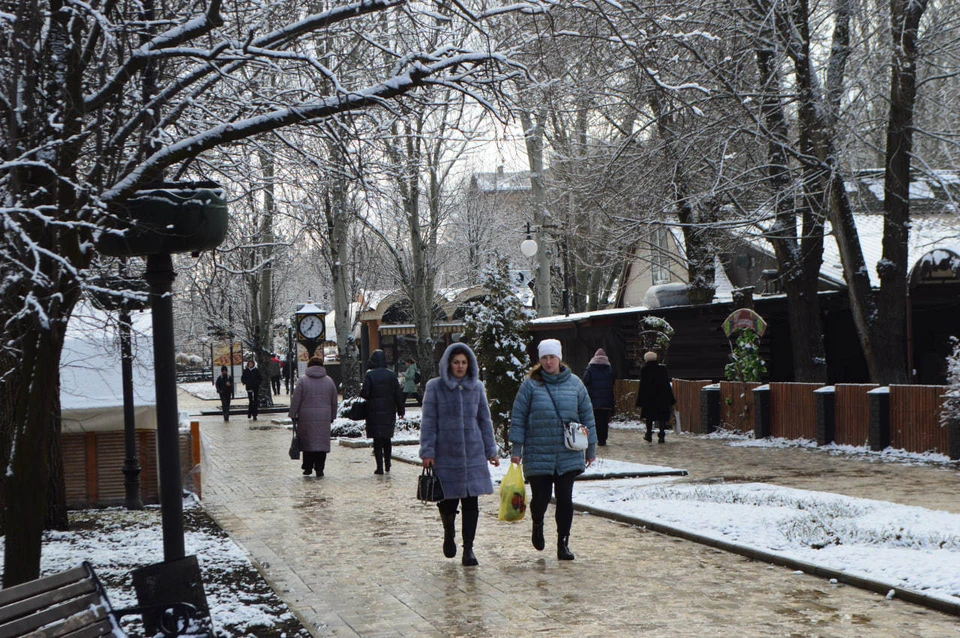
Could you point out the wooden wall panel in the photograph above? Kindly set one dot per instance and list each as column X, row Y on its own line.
column 852, row 413
column 915, row 418
column 793, row 410
column 93, row 467
column 75, row 469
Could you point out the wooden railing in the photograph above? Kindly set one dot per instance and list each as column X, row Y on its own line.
column 852, row 413
column 915, row 418
column 793, row 410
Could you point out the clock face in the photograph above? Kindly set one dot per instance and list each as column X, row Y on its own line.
column 311, row 327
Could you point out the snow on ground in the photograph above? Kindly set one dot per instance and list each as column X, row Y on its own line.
column 116, row 540
column 205, row 390
column 903, row 546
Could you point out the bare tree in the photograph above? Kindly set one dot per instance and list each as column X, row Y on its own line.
column 80, row 136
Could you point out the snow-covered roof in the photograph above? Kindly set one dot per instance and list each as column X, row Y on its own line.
column 90, row 363
column 501, row 181
column 580, row 316
column 926, row 233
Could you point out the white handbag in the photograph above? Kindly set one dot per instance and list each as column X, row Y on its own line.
column 576, row 436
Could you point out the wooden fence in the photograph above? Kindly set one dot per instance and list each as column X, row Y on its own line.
column 793, row 410
column 852, row 413
column 625, row 395
column 915, row 418
column 687, row 394
column 736, row 405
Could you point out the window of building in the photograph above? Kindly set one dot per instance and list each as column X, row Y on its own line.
column 659, row 267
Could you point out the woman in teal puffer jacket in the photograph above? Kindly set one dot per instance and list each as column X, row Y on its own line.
column 551, row 393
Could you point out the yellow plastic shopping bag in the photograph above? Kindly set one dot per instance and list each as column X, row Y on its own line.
column 513, row 495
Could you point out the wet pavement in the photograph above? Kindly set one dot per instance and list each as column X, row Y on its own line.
column 357, row 555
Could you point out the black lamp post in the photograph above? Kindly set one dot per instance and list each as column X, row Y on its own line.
column 124, row 303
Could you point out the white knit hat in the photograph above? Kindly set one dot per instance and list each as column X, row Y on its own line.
column 650, row 356
column 549, row 346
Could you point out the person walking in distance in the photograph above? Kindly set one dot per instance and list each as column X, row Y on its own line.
column 313, row 407
column 385, row 402
column 274, row 369
column 411, row 379
column 549, row 398
column 598, row 377
column 655, row 396
column 251, row 380
column 456, row 439
column 224, row 386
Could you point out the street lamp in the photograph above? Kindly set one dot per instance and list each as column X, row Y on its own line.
column 529, row 248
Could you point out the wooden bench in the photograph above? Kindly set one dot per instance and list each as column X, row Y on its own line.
column 70, row 604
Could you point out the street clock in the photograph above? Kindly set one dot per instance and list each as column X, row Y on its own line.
column 311, row 327
column 311, row 322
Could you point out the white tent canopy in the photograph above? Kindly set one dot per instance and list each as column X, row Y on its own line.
column 91, row 389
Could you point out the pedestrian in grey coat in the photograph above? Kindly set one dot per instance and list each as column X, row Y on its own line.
column 456, row 439
column 313, row 407
column 385, row 402
column 548, row 399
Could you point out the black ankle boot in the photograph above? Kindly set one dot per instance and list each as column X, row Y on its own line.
column 563, row 552
column 661, row 437
column 449, row 534
column 537, row 536
column 469, row 533
column 648, row 437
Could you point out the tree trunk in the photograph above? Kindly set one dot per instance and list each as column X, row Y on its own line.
column 533, row 138
column 338, row 225
column 799, row 259
column 57, row 517
column 31, row 416
column 905, row 18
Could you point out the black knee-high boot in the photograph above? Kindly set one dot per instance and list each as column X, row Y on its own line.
column 469, row 533
column 378, row 453
column 449, row 534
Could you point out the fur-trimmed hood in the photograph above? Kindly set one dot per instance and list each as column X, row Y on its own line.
column 473, row 370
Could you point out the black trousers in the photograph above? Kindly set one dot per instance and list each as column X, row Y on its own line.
column 382, row 450
column 602, row 420
column 225, row 405
column 468, row 504
column 253, row 403
column 314, row 461
column 275, row 382
column 561, row 486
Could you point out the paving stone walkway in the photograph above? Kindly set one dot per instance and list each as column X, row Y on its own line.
column 356, row 555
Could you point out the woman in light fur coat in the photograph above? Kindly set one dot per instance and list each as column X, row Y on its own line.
column 456, row 440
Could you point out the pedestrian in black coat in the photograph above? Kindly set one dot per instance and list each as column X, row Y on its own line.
column 598, row 377
column 251, row 380
column 385, row 402
column 655, row 396
column 225, row 390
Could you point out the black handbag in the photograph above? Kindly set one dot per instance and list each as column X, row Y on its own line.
column 295, row 445
column 429, row 488
column 358, row 410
